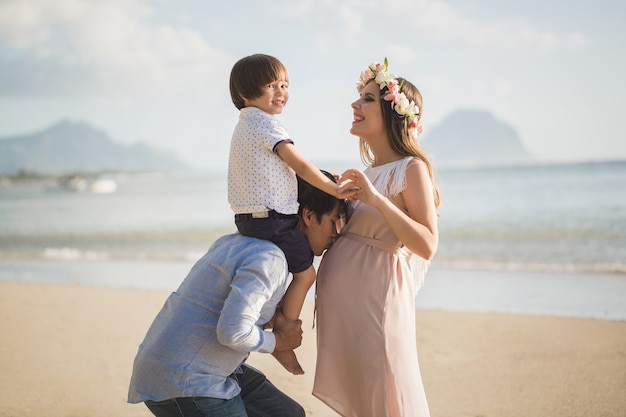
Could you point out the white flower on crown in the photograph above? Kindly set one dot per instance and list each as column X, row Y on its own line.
column 398, row 100
column 403, row 106
column 384, row 78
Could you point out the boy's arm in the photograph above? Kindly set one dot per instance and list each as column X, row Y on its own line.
column 309, row 172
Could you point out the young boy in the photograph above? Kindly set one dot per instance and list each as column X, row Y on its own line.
column 262, row 184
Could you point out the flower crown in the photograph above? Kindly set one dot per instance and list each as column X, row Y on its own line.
column 399, row 102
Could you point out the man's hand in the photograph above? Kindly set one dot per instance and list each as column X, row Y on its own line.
column 288, row 333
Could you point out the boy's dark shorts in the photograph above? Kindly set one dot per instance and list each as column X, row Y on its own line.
column 283, row 231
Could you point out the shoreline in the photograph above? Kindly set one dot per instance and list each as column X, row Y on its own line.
column 546, row 293
column 71, row 348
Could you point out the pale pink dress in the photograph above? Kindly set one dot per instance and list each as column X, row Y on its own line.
column 366, row 285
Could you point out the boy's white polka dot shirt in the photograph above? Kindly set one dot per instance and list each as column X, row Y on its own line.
column 258, row 179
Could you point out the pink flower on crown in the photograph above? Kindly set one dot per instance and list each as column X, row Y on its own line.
column 392, row 93
column 391, row 96
column 378, row 67
column 364, row 78
column 416, row 126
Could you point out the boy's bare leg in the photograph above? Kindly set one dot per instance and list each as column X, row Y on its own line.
column 296, row 293
column 289, row 361
column 291, row 305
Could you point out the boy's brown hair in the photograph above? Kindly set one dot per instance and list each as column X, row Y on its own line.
column 251, row 73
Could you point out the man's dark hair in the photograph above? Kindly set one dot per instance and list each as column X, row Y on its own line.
column 317, row 200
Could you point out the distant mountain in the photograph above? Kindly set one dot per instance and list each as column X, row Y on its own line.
column 475, row 138
column 78, row 147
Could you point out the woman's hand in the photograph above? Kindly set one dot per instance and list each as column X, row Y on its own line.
column 365, row 190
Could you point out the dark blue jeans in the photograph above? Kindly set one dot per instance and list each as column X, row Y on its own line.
column 258, row 398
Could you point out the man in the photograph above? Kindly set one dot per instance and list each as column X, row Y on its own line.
column 192, row 360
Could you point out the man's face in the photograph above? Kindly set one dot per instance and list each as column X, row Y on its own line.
column 322, row 234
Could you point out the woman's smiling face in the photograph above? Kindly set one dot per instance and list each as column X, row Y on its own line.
column 368, row 117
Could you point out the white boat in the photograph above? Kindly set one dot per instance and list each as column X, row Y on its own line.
column 103, row 186
column 73, row 183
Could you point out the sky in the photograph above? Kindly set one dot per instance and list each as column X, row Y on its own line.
column 156, row 71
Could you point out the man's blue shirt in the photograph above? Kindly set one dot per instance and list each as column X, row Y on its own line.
column 208, row 327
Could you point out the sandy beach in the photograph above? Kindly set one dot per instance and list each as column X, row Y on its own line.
column 67, row 351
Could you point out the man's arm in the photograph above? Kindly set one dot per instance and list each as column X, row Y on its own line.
column 252, row 288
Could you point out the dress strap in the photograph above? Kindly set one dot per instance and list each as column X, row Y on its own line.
column 390, row 179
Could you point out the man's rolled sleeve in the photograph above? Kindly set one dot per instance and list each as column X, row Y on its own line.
column 255, row 291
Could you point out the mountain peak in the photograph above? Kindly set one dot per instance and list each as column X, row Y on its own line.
column 66, row 125
column 79, row 147
column 475, row 137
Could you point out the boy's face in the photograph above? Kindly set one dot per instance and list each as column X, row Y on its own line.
column 274, row 98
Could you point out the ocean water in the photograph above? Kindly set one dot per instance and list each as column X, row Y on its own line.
column 552, row 217
column 567, row 217
column 548, row 239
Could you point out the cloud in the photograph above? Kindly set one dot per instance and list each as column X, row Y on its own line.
column 438, row 21
column 115, row 47
column 410, row 22
column 22, row 23
column 82, row 47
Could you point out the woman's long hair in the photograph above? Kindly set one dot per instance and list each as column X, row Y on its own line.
column 400, row 132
